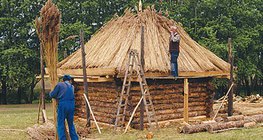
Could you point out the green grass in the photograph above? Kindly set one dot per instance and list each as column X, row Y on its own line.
column 19, row 117
column 171, row 134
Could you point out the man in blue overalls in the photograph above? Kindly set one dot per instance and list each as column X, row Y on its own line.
column 174, row 50
column 64, row 94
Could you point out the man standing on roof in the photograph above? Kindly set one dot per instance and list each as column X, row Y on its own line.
column 174, row 50
column 64, row 94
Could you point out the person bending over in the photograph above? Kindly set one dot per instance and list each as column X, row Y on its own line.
column 64, row 94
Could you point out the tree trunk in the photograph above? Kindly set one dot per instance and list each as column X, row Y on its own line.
column 238, row 88
column 4, row 91
column 247, row 87
column 225, row 125
column 189, row 129
column 32, row 86
column 19, row 95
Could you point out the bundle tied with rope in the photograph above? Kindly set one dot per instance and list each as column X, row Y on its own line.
column 47, row 28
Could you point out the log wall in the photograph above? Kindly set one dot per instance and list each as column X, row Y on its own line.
column 167, row 98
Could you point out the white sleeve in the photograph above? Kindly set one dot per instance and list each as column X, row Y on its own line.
column 176, row 38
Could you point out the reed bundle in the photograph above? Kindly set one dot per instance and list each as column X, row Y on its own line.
column 109, row 47
column 47, row 27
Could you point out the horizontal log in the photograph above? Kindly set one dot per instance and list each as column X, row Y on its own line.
column 100, row 93
column 257, row 118
column 249, row 124
column 234, row 118
column 167, row 117
column 108, row 95
column 170, row 91
column 189, row 129
column 169, row 95
column 171, row 113
column 107, row 115
column 109, row 110
column 102, row 104
column 104, row 119
column 225, row 125
column 176, row 105
column 167, row 100
column 103, row 99
column 175, row 100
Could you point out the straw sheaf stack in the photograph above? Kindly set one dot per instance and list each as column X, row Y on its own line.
column 109, row 47
column 48, row 26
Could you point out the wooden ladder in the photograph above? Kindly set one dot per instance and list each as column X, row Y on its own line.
column 134, row 67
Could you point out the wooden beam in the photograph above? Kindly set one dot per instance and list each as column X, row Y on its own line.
column 231, row 80
column 42, row 67
column 182, row 75
column 142, row 62
column 95, row 80
column 84, row 75
column 112, row 71
column 186, row 96
column 90, row 71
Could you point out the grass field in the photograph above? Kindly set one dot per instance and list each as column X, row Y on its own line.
column 14, row 119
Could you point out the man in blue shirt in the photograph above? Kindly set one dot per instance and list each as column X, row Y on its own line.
column 64, row 94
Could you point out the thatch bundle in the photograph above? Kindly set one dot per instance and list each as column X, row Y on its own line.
column 48, row 26
column 110, row 46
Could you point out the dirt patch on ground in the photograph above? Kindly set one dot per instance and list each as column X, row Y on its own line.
column 250, row 105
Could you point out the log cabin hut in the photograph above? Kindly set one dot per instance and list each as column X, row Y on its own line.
column 106, row 58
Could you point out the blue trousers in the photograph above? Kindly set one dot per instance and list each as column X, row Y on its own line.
column 65, row 110
column 174, row 64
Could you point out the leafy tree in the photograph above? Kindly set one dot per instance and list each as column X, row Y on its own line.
column 210, row 22
column 17, row 37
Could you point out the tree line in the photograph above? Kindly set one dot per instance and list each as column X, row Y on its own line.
column 209, row 22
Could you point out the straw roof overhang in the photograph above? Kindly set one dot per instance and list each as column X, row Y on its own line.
column 107, row 51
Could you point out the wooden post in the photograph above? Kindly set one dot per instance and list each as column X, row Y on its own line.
column 186, row 91
column 142, row 62
column 43, row 105
column 230, row 95
column 84, row 74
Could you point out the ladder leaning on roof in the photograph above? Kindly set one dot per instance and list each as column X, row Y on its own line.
column 134, row 67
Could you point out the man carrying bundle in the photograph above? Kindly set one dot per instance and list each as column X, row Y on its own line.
column 64, row 94
column 174, row 50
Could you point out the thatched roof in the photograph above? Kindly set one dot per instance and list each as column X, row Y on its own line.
column 107, row 51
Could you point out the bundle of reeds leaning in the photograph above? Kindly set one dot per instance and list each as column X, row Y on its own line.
column 47, row 27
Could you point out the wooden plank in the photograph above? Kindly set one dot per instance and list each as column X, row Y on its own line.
column 83, row 54
column 231, row 80
column 90, row 71
column 142, row 62
column 95, row 80
column 186, row 90
column 148, row 75
column 203, row 74
column 182, row 75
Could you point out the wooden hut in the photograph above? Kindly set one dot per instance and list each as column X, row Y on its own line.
column 106, row 57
